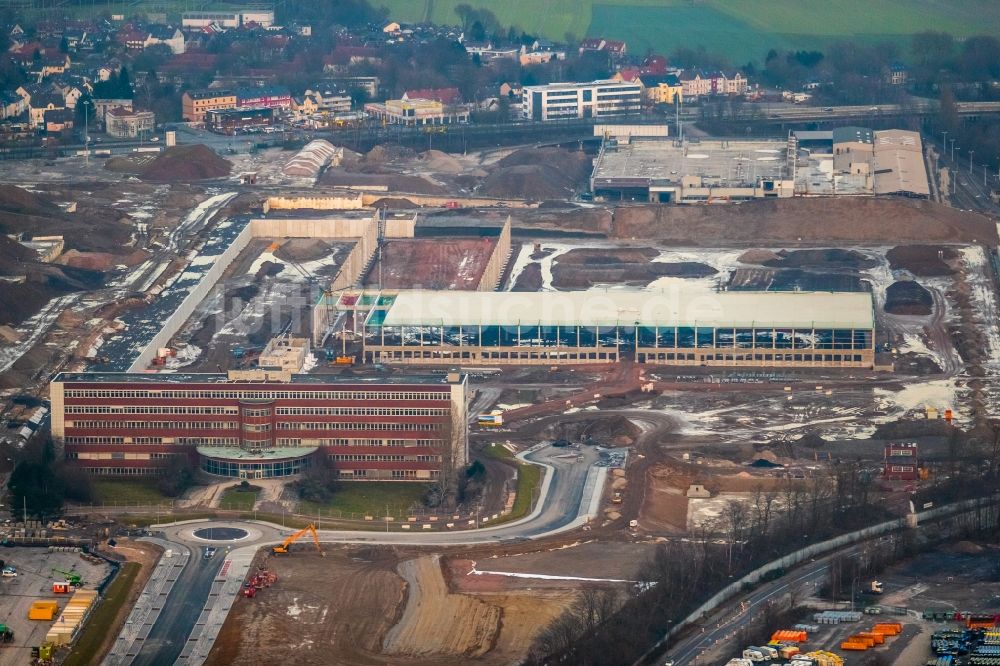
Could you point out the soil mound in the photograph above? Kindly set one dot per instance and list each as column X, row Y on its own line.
column 395, row 203
column 16, row 200
column 388, row 152
column 909, row 298
column 967, row 548
column 537, row 174
column 530, row 278
column 436, row 160
column 924, row 260
column 13, row 254
column 758, row 257
column 582, row 268
column 806, row 220
column 822, row 259
column 811, row 440
column 184, row 164
column 616, row 430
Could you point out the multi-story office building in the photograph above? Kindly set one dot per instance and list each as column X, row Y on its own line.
column 598, row 99
column 262, row 424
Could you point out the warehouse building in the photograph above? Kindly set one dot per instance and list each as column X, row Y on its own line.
column 677, row 327
column 257, row 424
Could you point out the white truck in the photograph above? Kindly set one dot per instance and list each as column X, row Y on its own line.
column 754, row 654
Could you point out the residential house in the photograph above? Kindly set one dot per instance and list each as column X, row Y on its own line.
column 614, row 48
column 196, row 103
column 39, row 104
column 329, row 99
column 12, row 104
column 511, row 90
column 127, row 124
column 898, row 74
column 167, row 35
column 104, row 105
column 344, row 56
column 697, row 83
column 540, row 57
column 391, row 28
column 58, row 120
column 132, row 38
column 70, row 93
column 662, row 88
column 52, row 62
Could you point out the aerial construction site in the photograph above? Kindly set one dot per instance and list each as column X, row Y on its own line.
column 434, row 407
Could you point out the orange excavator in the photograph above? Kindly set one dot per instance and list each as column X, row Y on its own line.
column 283, row 548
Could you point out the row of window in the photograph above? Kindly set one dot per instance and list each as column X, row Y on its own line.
column 296, row 442
column 360, row 411
column 319, row 425
column 258, row 395
column 155, row 425
column 380, row 457
column 123, row 409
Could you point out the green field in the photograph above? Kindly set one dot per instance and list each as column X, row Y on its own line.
column 528, row 479
column 238, row 499
column 127, row 492
column 740, row 29
column 368, row 498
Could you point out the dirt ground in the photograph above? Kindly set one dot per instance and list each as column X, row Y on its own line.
column 439, row 263
column 582, row 268
column 788, row 221
column 354, row 607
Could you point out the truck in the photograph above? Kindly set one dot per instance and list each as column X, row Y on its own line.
column 753, row 654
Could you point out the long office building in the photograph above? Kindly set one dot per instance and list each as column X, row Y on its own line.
column 597, row 99
column 262, row 424
column 677, row 327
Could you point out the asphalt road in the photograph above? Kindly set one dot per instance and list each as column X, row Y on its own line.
column 180, row 612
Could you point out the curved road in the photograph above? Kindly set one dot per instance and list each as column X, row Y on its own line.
column 569, row 497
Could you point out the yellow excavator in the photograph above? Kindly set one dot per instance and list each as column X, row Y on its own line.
column 283, row 548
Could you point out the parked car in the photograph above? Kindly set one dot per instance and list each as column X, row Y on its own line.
column 209, row 553
column 9, row 572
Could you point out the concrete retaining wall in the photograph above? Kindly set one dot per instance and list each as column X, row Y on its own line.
column 197, row 294
column 490, row 280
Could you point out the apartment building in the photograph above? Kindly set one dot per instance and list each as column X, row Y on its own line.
column 128, row 124
column 196, row 103
column 597, row 99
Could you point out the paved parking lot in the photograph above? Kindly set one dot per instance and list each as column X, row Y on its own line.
column 35, row 575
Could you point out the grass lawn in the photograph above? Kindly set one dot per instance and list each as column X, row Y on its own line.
column 103, row 617
column 368, row 498
column 238, row 499
column 528, row 479
column 127, row 492
column 739, row 29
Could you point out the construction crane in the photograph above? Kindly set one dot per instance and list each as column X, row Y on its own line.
column 283, row 548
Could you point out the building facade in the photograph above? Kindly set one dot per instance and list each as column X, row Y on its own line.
column 267, row 97
column 417, row 112
column 126, row 124
column 901, row 463
column 196, row 103
column 564, row 101
column 678, row 327
column 403, row 429
column 230, row 121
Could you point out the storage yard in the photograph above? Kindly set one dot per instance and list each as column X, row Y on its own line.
column 40, row 572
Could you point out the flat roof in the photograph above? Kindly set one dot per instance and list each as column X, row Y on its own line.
column 732, row 162
column 264, row 455
column 222, row 379
column 672, row 307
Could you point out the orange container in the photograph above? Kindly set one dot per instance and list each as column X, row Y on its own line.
column 853, row 645
column 887, row 628
column 878, row 639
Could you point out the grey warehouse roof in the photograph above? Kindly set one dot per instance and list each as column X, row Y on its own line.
column 675, row 307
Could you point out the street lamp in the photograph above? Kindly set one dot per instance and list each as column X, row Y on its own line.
column 971, row 153
column 953, row 150
column 944, row 139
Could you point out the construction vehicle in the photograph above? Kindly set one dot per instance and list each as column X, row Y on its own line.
column 6, row 635
column 875, row 587
column 249, row 591
column 345, row 360
column 309, row 529
column 72, row 577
